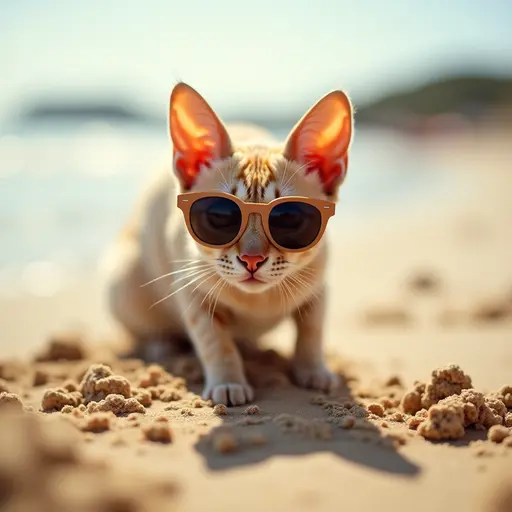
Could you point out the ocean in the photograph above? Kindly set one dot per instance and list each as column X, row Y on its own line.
column 65, row 190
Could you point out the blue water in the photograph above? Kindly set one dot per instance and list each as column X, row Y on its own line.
column 64, row 193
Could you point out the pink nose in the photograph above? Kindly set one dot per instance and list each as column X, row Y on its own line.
column 252, row 263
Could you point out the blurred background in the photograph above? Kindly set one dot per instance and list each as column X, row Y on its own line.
column 84, row 94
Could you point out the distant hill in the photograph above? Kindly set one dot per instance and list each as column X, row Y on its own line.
column 471, row 96
column 78, row 111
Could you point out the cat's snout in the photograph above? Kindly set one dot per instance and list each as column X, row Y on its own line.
column 252, row 262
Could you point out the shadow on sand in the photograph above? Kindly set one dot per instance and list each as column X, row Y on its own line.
column 290, row 421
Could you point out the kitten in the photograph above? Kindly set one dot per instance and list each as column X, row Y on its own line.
column 163, row 282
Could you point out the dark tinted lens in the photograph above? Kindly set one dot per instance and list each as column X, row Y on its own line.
column 215, row 220
column 294, row 225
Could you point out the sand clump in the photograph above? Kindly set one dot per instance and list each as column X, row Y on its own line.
column 10, row 401
column 143, row 396
column 347, row 422
column 100, row 390
column 169, row 394
column 252, row 409
column 505, row 395
column 449, row 418
column 220, row 410
column 376, row 409
column 54, row 399
column 97, row 422
column 158, row 431
column 443, row 408
column 442, row 423
column 226, row 440
column 445, row 381
column 117, row 404
column 161, row 385
column 153, row 376
column 99, row 381
column 63, row 347
column 498, row 433
column 396, row 416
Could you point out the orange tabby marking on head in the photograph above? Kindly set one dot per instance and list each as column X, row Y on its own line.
column 256, row 172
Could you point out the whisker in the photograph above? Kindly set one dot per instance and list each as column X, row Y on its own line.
column 210, row 292
column 195, row 291
column 308, row 278
column 184, row 261
column 174, row 272
column 290, row 292
column 286, row 291
column 281, row 298
column 210, row 300
column 224, row 180
column 196, row 278
column 192, row 274
column 224, row 284
column 291, row 177
column 308, row 270
column 304, row 285
column 282, row 177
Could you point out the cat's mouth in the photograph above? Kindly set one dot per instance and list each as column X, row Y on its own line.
column 252, row 280
column 252, row 284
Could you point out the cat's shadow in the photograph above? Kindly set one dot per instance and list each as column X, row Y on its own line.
column 288, row 422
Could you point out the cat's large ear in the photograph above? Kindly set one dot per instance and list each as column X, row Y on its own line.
column 320, row 140
column 198, row 135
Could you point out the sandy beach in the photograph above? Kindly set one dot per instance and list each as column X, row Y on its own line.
column 411, row 292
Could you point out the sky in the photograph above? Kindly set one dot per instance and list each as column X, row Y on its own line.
column 241, row 53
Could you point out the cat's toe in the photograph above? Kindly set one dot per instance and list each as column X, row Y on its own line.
column 315, row 377
column 229, row 393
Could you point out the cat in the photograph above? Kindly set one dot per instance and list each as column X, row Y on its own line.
column 161, row 281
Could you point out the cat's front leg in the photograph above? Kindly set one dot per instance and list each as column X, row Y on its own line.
column 225, row 381
column 308, row 362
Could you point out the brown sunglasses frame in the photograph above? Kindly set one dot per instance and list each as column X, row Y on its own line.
column 187, row 199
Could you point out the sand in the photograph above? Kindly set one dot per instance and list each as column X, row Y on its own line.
column 419, row 329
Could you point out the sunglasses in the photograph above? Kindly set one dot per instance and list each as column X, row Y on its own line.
column 218, row 219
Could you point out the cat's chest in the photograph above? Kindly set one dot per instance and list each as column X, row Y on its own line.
column 252, row 326
column 255, row 314
column 258, row 308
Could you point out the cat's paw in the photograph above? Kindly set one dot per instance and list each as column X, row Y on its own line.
column 315, row 377
column 229, row 393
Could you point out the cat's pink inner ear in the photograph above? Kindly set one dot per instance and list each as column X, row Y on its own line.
column 198, row 135
column 320, row 140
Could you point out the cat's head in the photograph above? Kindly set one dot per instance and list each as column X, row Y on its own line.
column 312, row 163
